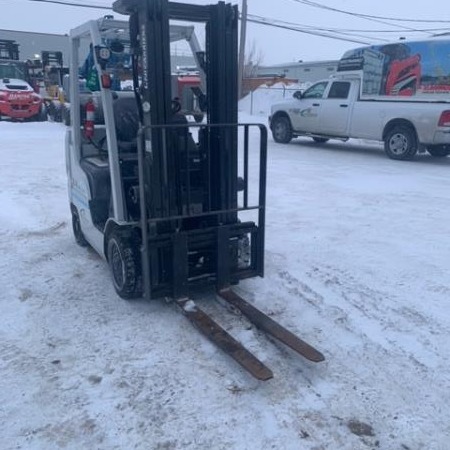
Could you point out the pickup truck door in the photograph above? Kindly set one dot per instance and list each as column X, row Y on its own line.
column 306, row 112
column 336, row 109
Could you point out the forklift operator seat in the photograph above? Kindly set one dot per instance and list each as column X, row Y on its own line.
column 126, row 118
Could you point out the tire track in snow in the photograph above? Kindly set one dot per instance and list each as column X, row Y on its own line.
column 331, row 301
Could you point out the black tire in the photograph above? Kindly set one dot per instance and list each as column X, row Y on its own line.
column 176, row 106
column 281, row 129
column 320, row 140
column 400, row 143
column 57, row 117
column 124, row 262
column 438, row 151
column 199, row 117
column 65, row 115
column 51, row 111
column 42, row 116
column 77, row 232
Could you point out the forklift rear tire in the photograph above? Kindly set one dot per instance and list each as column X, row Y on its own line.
column 79, row 236
column 124, row 261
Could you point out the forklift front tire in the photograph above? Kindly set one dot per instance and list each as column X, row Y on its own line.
column 124, row 262
column 77, row 232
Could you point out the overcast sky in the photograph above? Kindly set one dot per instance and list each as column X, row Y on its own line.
column 275, row 45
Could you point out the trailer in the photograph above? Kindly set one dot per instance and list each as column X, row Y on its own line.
column 176, row 207
column 419, row 69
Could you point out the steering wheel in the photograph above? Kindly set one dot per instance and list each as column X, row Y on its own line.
column 176, row 105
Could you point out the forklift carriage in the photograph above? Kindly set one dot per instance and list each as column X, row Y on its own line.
column 170, row 203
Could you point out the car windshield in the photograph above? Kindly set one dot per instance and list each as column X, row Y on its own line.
column 17, row 87
column 315, row 91
column 11, row 71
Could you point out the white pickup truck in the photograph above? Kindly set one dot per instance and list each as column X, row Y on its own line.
column 334, row 109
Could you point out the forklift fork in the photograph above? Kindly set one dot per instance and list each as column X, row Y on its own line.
column 215, row 333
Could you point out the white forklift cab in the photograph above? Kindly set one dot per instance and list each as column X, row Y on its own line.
column 102, row 123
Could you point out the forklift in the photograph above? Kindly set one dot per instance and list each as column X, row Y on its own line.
column 174, row 206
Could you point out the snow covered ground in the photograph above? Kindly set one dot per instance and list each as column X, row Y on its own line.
column 356, row 264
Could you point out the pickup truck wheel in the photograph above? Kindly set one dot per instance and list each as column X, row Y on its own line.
column 401, row 143
column 320, row 140
column 438, row 151
column 281, row 130
column 125, row 265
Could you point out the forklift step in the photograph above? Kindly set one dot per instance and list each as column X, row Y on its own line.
column 213, row 331
column 268, row 325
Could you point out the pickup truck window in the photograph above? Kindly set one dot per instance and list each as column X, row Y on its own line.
column 339, row 89
column 316, row 90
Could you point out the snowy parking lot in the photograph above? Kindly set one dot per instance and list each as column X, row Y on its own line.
column 357, row 248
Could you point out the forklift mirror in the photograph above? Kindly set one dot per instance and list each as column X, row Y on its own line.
column 103, row 54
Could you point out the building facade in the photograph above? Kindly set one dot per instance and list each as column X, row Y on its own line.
column 304, row 72
column 32, row 44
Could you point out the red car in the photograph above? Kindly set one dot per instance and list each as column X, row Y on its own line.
column 19, row 101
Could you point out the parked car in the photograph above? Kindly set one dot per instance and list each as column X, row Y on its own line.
column 18, row 101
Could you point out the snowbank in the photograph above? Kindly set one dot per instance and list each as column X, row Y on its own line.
column 259, row 101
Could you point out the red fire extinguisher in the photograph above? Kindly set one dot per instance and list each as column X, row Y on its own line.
column 90, row 120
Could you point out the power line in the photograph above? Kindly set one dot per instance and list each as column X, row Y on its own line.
column 306, row 2
column 361, row 16
column 355, row 30
column 317, row 5
column 344, row 31
column 368, row 16
column 79, row 5
column 331, row 33
column 334, row 32
column 300, row 30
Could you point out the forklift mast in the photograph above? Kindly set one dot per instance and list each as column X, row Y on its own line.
column 149, row 29
column 189, row 192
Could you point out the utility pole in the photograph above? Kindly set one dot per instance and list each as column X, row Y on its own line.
column 242, row 46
